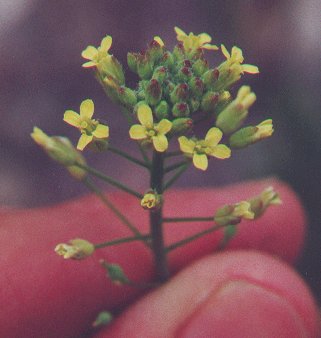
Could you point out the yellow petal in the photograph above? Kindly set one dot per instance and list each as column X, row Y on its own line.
column 213, row 136
column 145, row 115
column 250, row 69
column 84, row 140
column 89, row 64
column 164, row 126
column 237, row 54
column 160, row 143
column 225, row 52
column 159, row 40
column 89, row 53
column 180, row 33
column 106, row 43
column 87, row 108
column 187, row 146
column 209, row 47
column 221, row 151
column 137, row 132
column 101, row 131
column 200, row 161
column 204, row 38
column 72, row 118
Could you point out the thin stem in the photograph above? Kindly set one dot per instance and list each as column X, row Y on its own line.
column 91, row 186
column 175, row 176
column 173, row 153
column 121, row 241
column 156, row 222
column 175, row 166
column 193, row 237
column 127, row 156
column 110, row 180
column 187, row 219
column 145, row 157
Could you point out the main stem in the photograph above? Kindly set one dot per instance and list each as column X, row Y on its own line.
column 156, row 219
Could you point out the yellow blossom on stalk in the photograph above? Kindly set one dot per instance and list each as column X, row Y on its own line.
column 199, row 150
column 151, row 200
column 77, row 249
column 159, row 41
column 90, row 129
column 149, row 131
column 236, row 58
column 95, row 55
column 194, row 42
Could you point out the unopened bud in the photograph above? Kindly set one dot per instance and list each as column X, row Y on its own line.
column 233, row 116
column 180, row 93
column 181, row 125
column 103, row 319
column 181, row 109
column 127, row 96
column 233, row 213
column 132, row 61
column 76, row 249
column 252, row 134
column 209, row 101
column 200, row 67
column 160, row 74
column 115, row 273
column 261, row 202
column 197, row 86
column 144, row 67
column 184, row 74
column 210, row 77
column 151, row 200
column 153, row 92
column 167, row 60
column 162, row 110
column 110, row 66
column 155, row 49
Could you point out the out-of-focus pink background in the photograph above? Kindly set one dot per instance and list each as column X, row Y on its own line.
column 41, row 77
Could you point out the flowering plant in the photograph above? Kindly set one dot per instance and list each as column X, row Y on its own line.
column 176, row 91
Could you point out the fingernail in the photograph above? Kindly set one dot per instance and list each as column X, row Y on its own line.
column 241, row 309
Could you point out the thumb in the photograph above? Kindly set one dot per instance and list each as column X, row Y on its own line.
column 233, row 294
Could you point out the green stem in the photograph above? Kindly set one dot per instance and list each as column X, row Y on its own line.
column 91, row 186
column 110, row 180
column 187, row 219
column 127, row 156
column 175, row 176
column 175, row 166
column 156, row 222
column 145, row 157
column 193, row 237
column 121, row 241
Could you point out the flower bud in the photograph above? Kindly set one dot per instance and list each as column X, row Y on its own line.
column 200, row 67
column 151, row 201
column 168, row 60
column 162, row 110
column 194, row 105
column 181, row 109
column 144, row 67
column 127, row 96
column 232, row 117
column 181, row 125
column 184, row 74
column 115, row 273
column 209, row 101
column 233, row 213
column 180, row 93
column 132, row 61
column 261, row 202
column 76, row 249
column 103, row 319
column 178, row 52
column 197, row 86
column 153, row 92
column 252, row 134
column 155, row 50
column 160, row 74
column 210, row 77
column 223, row 100
column 110, row 66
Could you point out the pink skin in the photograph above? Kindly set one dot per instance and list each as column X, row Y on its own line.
column 43, row 295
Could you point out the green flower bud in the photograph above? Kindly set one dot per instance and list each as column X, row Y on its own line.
column 127, row 96
column 155, row 51
column 223, row 100
column 200, row 67
column 103, row 319
column 132, row 61
column 144, row 67
column 181, row 109
column 252, row 134
column 194, row 105
column 160, row 74
column 232, row 214
column 233, row 116
column 162, row 110
column 197, row 86
column 178, row 52
column 110, row 66
column 168, row 60
column 153, row 92
column 184, row 74
column 210, row 77
column 181, row 125
column 180, row 93
column 115, row 273
column 209, row 101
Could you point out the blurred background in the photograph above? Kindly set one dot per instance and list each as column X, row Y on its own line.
column 41, row 77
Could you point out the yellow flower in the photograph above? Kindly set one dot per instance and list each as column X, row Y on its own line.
column 90, row 129
column 233, row 213
column 236, row 58
column 264, row 129
column 77, row 249
column 149, row 131
column 95, row 55
column 193, row 42
column 199, row 150
column 151, row 200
